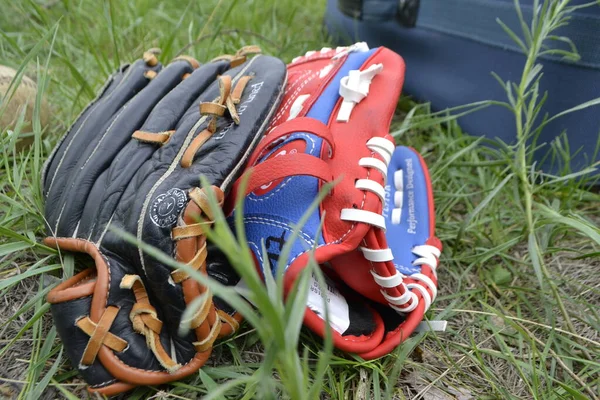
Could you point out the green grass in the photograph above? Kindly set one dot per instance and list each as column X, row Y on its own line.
column 519, row 280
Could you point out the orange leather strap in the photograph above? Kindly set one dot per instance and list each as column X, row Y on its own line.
column 192, row 149
column 151, row 137
column 236, row 95
column 180, row 275
column 99, row 335
column 284, row 166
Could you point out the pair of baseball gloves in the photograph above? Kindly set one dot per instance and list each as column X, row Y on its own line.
column 130, row 170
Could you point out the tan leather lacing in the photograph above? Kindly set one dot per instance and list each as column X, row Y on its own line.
column 228, row 319
column 99, row 335
column 193, row 62
column 190, row 235
column 145, row 321
column 226, row 102
column 196, row 263
column 206, row 321
column 240, row 56
column 150, row 74
column 150, row 137
column 150, row 58
column 186, row 231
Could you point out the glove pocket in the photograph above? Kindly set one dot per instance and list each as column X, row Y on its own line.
column 70, row 304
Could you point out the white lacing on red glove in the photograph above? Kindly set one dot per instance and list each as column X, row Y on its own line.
column 354, row 88
column 384, row 148
column 339, row 51
column 427, row 254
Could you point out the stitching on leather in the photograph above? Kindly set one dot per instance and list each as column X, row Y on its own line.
column 264, row 128
column 88, row 159
column 125, row 77
column 334, row 241
column 316, row 56
column 98, row 385
column 291, row 88
column 278, row 224
column 105, row 229
column 94, row 103
column 170, row 170
column 152, row 371
column 296, row 90
column 308, row 77
column 105, row 133
column 58, row 219
column 258, row 253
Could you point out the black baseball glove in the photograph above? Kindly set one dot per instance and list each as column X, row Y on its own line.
column 133, row 161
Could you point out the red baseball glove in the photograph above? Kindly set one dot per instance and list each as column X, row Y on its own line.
column 377, row 246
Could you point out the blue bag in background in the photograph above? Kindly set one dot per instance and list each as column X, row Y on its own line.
column 452, row 46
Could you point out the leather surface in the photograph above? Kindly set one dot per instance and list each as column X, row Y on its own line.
column 96, row 118
column 417, row 222
column 416, row 227
column 64, row 315
column 100, row 180
column 272, row 212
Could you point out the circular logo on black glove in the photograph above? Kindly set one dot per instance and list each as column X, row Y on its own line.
column 166, row 207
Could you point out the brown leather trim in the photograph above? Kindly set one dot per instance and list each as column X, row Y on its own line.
column 203, row 311
column 125, row 373
column 230, row 323
column 147, row 314
column 102, row 279
column 110, row 340
column 188, row 250
column 191, row 290
column 232, row 111
column 189, row 231
column 165, row 360
column 224, row 57
column 191, row 60
column 153, row 137
column 196, row 263
column 212, row 109
column 98, row 335
column 117, row 368
column 76, row 287
column 224, row 87
column 145, row 321
column 113, row 389
column 206, row 343
column 150, row 58
column 203, row 205
column 240, row 56
column 236, row 95
column 250, row 49
column 190, row 152
column 237, row 61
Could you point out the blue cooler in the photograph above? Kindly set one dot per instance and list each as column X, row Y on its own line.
column 452, row 46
